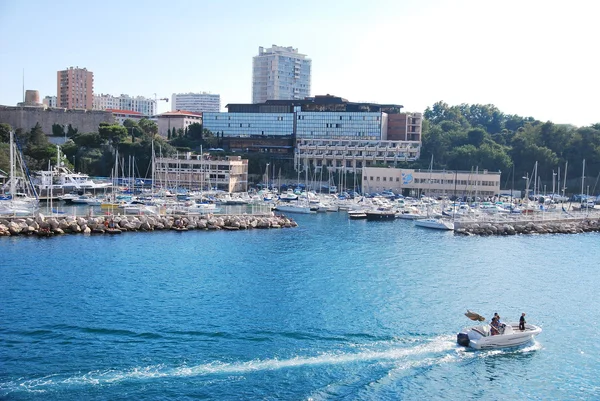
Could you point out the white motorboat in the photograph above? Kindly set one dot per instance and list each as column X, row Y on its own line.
column 357, row 214
column 294, row 207
column 480, row 337
column 437, row 224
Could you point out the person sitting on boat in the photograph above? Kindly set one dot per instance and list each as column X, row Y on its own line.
column 494, row 326
column 522, row 322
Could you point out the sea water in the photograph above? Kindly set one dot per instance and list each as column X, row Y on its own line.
column 333, row 309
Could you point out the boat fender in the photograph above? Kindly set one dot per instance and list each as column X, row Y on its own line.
column 462, row 339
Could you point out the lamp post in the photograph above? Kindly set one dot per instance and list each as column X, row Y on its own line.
column 267, row 178
column 526, row 178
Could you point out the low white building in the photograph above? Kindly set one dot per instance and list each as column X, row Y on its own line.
column 122, row 115
column 176, row 120
column 191, row 171
column 431, row 182
column 50, row 101
column 140, row 104
column 196, row 102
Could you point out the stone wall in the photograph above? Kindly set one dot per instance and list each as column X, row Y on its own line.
column 26, row 118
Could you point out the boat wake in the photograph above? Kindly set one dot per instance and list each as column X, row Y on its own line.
column 401, row 354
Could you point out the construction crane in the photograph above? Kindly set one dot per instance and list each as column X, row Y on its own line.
column 166, row 99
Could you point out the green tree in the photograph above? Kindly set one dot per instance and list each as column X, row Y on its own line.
column 88, row 140
column 71, row 131
column 113, row 134
column 5, row 132
column 149, row 127
column 58, row 129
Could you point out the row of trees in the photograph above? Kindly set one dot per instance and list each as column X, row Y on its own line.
column 465, row 137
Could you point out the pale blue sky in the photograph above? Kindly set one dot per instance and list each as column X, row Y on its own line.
column 533, row 58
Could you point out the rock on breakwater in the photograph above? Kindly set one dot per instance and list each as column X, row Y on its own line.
column 48, row 226
column 574, row 226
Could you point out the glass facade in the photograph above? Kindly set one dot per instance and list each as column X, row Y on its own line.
column 249, row 124
column 342, row 125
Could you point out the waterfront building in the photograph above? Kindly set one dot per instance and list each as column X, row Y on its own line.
column 140, row 104
column 280, row 73
column 50, row 101
column 203, row 172
column 75, row 88
column 412, row 182
column 196, row 102
column 324, row 130
column 171, row 120
column 345, row 155
column 122, row 115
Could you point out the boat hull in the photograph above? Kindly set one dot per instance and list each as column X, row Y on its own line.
column 478, row 337
column 378, row 215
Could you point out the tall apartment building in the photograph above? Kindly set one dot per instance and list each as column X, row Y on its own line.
column 75, row 88
column 196, row 102
column 139, row 104
column 280, row 73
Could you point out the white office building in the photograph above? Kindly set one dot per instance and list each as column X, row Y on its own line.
column 280, row 73
column 50, row 101
column 196, row 102
column 140, row 104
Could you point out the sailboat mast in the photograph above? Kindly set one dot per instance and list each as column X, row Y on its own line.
column 565, row 182
column 582, row 179
column 12, row 165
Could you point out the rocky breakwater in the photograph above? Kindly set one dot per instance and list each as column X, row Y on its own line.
column 49, row 226
column 539, row 227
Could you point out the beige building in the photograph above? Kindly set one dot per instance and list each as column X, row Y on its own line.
column 176, row 120
column 75, row 89
column 352, row 155
column 431, row 182
column 190, row 171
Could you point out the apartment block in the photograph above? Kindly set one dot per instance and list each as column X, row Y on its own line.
column 75, row 88
column 280, row 73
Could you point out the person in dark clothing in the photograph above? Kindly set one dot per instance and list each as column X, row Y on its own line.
column 522, row 322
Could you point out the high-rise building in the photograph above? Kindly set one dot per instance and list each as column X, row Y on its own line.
column 196, row 102
column 280, row 73
column 140, row 104
column 75, row 88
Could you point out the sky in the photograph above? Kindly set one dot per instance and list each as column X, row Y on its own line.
column 535, row 58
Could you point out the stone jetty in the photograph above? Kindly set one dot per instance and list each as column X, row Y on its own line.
column 562, row 226
column 41, row 225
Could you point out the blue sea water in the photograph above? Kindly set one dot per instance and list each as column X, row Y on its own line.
column 332, row 310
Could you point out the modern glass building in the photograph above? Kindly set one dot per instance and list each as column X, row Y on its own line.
column 341, row 125
column 249, row 124
column 280, row 73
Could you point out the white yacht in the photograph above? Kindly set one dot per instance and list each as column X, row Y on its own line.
column 435, row 223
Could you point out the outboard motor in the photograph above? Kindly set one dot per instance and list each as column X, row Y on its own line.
column 462, row 339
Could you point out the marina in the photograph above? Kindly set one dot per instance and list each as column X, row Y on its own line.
column 334, row 308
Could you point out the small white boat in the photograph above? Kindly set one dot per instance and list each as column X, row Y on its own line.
column 479, row 337
column 357, row 214
column 294, row 207
column 437, row 224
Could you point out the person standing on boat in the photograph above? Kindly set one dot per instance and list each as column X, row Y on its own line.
column 494, row 327
column 522, row 322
